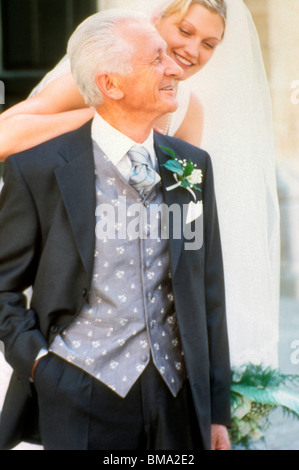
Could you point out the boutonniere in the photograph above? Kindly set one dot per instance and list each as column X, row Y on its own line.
column 184, row 172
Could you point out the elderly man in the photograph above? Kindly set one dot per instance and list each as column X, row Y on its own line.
column 124, row 344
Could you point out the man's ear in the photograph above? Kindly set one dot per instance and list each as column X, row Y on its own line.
column 108, row 85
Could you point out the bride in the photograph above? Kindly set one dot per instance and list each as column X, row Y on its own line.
column 224, row 107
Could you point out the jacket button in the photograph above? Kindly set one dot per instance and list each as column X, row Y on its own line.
column 84, row 292
column 54, row 329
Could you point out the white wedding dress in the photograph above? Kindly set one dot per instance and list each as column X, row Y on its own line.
column 238, row 136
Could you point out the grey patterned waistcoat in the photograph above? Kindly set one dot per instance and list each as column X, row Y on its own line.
column 130, row 314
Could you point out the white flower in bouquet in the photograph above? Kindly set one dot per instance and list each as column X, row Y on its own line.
column 195, row 177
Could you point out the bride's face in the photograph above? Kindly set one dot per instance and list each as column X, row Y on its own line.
column 193, row 39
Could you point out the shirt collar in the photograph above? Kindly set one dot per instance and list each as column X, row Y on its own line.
column 113, row 143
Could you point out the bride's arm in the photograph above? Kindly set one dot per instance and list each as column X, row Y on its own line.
column 192, row 126
column 58, row 96
column 22, row 131
column 57, row 109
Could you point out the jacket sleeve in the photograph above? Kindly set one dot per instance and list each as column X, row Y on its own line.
column 220, row 372
column 19, row 246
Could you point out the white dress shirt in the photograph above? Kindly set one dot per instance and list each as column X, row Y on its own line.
column 115, row 145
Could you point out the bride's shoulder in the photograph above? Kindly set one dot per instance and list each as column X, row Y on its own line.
column 195, row 106
column 186, row 95
column 192, row 125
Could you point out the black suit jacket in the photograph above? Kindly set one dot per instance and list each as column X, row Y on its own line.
column 47, row 240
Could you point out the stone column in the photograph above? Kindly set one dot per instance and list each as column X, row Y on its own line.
column 277, row 25
column 284, row 58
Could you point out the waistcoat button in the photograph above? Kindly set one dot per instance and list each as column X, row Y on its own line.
column 144, row 358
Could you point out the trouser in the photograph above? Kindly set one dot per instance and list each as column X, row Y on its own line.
column 78, row 412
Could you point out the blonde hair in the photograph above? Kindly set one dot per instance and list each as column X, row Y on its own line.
column 216, row 6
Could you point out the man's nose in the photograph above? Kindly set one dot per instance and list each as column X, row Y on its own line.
column 173, row 69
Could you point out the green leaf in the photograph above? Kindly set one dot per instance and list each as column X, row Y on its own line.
column 168, row 150
column 188, row 169
column 259, row 376
column 174, row 166
column 274, row 397
column 185, row 184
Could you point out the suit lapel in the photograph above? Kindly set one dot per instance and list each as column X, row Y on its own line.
column 76, row 181
column 178, row 196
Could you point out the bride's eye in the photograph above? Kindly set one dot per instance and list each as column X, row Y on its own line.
column 184, row 31
column 209, row 46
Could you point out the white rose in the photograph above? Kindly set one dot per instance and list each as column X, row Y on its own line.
column 195, row 177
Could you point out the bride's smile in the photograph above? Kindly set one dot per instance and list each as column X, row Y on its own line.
column 182, row 61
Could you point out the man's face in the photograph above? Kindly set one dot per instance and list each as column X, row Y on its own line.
column 150, row 87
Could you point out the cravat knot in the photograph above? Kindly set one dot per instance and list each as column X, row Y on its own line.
column 143, row 177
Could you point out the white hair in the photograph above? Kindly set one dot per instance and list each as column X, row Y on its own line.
column 97, row 45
